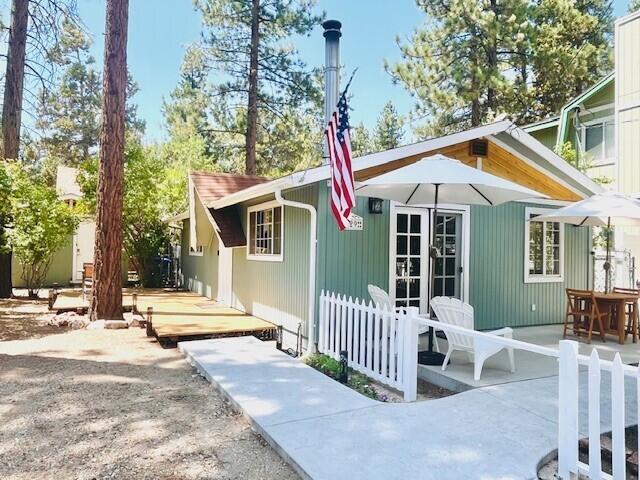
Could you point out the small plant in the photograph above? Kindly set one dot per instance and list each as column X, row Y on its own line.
column 356, row 380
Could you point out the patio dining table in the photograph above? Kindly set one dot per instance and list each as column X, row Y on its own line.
column 616, row 303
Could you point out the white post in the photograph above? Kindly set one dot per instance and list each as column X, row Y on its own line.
column 568, row 410
column 410, row 354
column 617, row 419
column 595, row 455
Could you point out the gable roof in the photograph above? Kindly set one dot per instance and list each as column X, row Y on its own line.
column 504, row 132
column 209, row 187
column 564, row 112
column 212, row 186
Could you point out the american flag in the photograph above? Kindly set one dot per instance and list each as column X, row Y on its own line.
column 339, row 149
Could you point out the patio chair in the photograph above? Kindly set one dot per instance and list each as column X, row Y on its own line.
column 452, row 311
column 381, row 299
column 583, row 311
column 631, row 311
column 87, row 278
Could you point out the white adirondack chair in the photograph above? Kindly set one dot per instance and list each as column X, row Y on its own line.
column 455, row 312
column 382, row 300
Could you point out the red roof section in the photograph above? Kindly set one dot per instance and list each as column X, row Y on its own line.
column 212, row 186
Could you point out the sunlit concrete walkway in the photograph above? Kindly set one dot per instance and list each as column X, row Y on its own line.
column 327, row 431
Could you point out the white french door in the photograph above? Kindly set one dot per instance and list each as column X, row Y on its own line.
column 225, row 274
column 410, row 239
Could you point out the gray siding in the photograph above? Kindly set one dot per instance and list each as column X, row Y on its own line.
column 200, row 273
column 496, row 288
column 278, row 291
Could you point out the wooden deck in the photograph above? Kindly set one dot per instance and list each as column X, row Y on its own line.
column 178, row 315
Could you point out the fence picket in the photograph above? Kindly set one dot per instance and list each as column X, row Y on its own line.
column 376, row 345
column 617, row 419
column 350, row 331
column 595, row 454
column 363, row 329
column 568, row 410
column 356, row 336
column 384, row 338
column 392, row 351
column 322, row 323
column 343, row 326
column 332, row 326
column 370, row 338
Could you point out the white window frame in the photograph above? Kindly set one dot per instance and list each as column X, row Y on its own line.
column 543, row 278
column 583, row 139
column 199, row 252
column 265, row 257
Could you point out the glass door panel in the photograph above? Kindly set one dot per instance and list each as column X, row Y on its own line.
column 447, row 272
column 410, row 260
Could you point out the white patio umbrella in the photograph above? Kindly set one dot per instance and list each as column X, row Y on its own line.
column 601, row 210
column 439, row 179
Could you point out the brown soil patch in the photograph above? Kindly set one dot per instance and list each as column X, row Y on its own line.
column 98, row 404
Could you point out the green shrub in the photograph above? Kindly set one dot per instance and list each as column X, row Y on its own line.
column 357, row 381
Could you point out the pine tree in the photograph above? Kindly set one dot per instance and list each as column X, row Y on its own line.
column 107, row 295
column 472, row 60
column 361, row 141
column 247, row 42
column 389, row 129
column 634, row 5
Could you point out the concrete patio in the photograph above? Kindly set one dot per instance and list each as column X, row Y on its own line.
column 459, row 374
column 326, row 430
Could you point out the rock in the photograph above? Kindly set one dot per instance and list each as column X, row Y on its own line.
column 96, row 325
column 68, row 319
column 115, row 324
column 132, row 319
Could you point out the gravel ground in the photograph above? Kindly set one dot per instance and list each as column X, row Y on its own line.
column 112, row 404
column 24, row 318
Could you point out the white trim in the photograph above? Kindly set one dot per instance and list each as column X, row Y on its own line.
column 616, row 89
column 197, row 253
column 584, row 111
column 556, row 160
column 626, row 19
column 528, row 278
column 539, row 168
column 276, row 257
column 465, row 238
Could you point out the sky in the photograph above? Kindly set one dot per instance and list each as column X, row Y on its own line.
column 159, row 31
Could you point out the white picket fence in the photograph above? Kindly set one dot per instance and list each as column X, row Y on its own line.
column 379, row 343
column 569, row 465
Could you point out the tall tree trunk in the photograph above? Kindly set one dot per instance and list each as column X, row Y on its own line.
column 107, row 295
column 252, row 107
column 12, row 112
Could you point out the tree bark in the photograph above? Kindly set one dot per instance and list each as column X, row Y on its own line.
column 252, row 106
column 12, row 112
column 107, row 294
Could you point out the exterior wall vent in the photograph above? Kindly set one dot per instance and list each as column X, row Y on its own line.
column 478, row 148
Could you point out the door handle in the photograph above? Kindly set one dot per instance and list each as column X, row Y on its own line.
column 460, row 269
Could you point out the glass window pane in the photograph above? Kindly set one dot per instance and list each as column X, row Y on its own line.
column 414, row 245
column 593, row 139
column 402, row 221
column 401, row 303
column 277, row 246
column 415, row 223
column 414, row 288
column 535, row 248
column 440, row 224
column 449, row 287
column 450, row 266
column 414, row 267
column 401, row 288
column 401, row 267
column 401, row 245
column 414, row 303
column 438, row 266
column 450, row 245
column 437, row 287
column 451, row 225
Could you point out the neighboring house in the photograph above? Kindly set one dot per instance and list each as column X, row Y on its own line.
column 66, row 267
column 603, row 124
column 254, row 247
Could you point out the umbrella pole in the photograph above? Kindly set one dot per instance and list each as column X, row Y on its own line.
column 607, row 263
column 430, row 357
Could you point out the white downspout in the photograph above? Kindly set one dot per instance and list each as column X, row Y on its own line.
column 311, row 347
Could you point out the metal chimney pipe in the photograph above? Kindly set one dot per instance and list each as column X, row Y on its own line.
column 332, row 36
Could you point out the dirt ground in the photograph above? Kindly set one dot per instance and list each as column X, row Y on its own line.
column 112, row 404
column 23, row 318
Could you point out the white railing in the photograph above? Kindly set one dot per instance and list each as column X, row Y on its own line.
column 379, row 343
column 569, row 465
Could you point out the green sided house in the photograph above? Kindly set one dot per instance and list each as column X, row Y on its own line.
column 269, row 248
column 603, row 125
